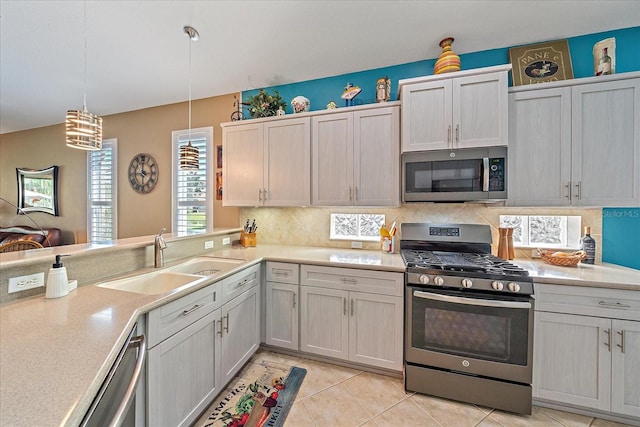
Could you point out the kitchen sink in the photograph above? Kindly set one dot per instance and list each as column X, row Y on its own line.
column 151, row 283
column 206, row 266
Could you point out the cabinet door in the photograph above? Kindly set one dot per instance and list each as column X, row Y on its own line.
column 287, row 162
column 242, row 166
column 282, row 315
column 426, row 116
column 376, row 330
column 625, row 382
column 182, row 374
column 572, row 364
column 606, row 144
column 539, row 168
column 323, row 322
column 480, row 110
column 240, row 332
column 332, row 160
column 376, row 150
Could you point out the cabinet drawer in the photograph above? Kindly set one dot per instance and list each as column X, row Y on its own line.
column 177, row 315
column 282, row 272
column 600, row 302
column 238, row 283
column 372, row 281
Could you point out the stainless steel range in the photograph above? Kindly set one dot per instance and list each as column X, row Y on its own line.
column 469, row 318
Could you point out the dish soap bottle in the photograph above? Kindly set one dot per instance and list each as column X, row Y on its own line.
column 588, row 244
column 57, row 282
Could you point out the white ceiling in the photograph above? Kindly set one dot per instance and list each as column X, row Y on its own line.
column 138, row 55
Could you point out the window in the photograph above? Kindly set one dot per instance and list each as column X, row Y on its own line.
column 192, row 204
column 544, row 231
column 102, row 192
column 356, row 226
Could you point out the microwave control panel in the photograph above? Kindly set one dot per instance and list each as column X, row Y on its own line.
column 496, row 174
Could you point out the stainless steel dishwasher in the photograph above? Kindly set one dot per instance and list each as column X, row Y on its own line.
column 114, row 405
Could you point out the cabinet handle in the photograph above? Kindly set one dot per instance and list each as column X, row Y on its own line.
column 352, row 308
column 344, row 304
column 226, row 328
column 345, row 280
column 350, row 198
column 220, row 331
column 214, row 296
column 259, row 194
column 294, row 300
column 264, row 196
column 616, row 304
column 579, row 190
column 280, row 273
column 457, row 133
column 191, row 310
column 568, row 188
column 621, row 345
column 356, row 198
column 449, row 134
column 608, row 342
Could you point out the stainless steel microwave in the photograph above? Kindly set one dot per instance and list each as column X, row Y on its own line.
column 466, row 175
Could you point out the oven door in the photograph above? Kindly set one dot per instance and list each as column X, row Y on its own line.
column 470, row 333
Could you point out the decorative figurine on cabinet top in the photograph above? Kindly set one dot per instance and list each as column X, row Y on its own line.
column 383, row 89
column 300, row 104
column 331, row 105
column 350, row 92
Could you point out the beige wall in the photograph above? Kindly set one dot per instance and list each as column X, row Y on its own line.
column 142, row 131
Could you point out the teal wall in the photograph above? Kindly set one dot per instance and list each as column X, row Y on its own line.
column 620, row 244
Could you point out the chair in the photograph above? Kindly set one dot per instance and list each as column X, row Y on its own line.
column 20, row 245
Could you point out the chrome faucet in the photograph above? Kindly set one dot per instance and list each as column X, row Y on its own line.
column 158, row 246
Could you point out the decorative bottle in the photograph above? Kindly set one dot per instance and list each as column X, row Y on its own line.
column 448, row 60
column 589, row 246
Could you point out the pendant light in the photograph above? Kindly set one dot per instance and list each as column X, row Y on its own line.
column 189, row 155
column 83, row 129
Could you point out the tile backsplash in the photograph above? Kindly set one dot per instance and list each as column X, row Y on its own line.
column 310, row 226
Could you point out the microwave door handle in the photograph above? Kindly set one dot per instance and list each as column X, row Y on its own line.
column 471, row 301
column 485, row 174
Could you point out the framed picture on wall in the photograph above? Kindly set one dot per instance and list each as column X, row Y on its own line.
column 218, row 185
column 542, row 62
column 604, row 57
column 219, row 156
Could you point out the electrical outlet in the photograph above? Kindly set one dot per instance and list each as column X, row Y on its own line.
column 208, row 244
column 356, row 245
column 226, row 240
column 22, row 283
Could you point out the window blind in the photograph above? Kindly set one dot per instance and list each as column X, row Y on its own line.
column 191, row 191
column 101, row 221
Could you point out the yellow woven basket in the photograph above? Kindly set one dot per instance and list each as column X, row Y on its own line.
column 568, row 260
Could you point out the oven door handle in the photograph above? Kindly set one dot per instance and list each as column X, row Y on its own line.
column 471, row 301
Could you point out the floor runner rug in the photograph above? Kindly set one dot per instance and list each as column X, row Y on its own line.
column 262, row 401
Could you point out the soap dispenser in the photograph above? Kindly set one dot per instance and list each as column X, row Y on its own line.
column 57, row 282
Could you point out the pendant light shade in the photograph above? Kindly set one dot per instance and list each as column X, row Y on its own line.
column 190, row 155
column 83, row 129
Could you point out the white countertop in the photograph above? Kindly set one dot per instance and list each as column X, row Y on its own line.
column 55, row 353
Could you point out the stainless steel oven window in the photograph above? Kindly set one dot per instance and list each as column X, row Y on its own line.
column 471, row 330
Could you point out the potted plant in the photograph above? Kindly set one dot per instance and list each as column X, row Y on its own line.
column 264, row 104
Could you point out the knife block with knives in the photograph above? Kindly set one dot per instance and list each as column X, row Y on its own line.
column 248, row 239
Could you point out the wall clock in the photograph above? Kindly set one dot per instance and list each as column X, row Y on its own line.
column 143, row 173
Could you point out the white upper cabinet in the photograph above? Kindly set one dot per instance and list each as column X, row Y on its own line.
column 267, row 163
column 575, row 144
column 356, row 157
column 458, row 110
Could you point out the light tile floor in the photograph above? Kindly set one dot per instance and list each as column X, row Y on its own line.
column 336, row 396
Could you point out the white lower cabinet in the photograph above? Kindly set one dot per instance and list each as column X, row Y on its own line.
column 197, row 344
column 585, row 353
column 354, row 315
column 182, row 368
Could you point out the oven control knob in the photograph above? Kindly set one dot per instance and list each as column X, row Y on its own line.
column 467, row 283
column 513, row 287
column 438, row 281
column 424, row 279
column 498, row 286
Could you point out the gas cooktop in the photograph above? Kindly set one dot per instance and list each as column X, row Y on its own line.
column 460, row 262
